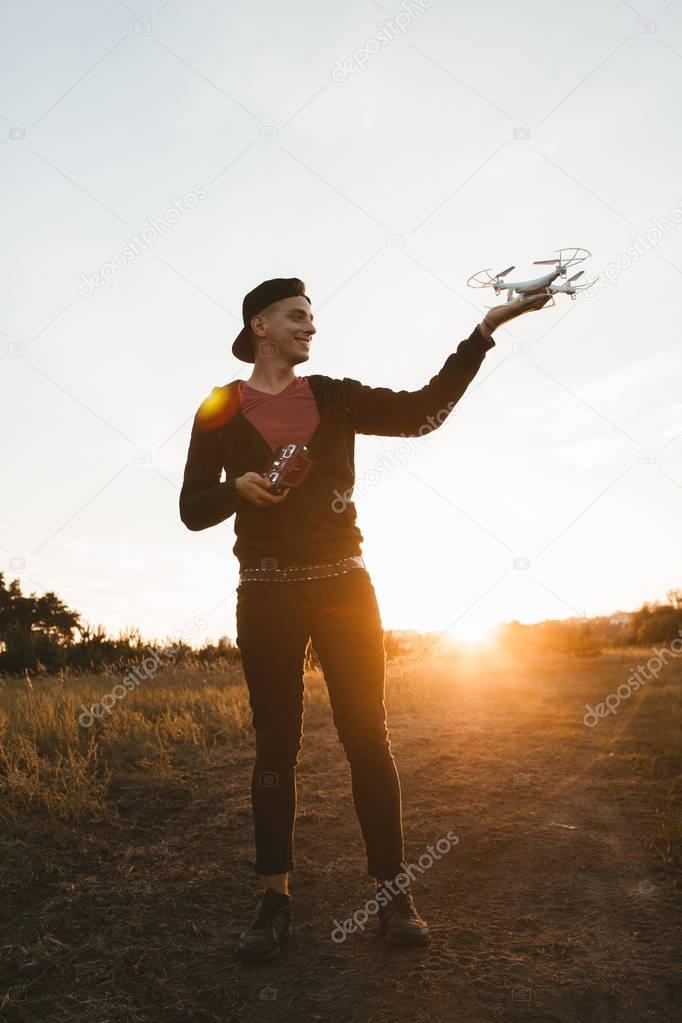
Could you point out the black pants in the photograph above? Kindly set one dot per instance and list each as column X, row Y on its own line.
column 340, row 615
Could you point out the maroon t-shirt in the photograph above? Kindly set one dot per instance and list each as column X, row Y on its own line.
column 290, row 417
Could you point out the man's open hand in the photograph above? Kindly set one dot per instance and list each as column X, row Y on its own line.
column 256, row 488
column 500, row 314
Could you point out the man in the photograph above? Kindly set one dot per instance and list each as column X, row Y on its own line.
column 302, row 578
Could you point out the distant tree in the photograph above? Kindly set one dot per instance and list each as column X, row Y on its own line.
column 574, row 636
column 34, row 631
column 657, row 623
column 395, row 645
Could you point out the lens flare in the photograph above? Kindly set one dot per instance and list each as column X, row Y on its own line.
column 219, row 407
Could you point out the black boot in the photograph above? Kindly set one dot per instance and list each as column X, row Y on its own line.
column 400, row 923
column 270, row 929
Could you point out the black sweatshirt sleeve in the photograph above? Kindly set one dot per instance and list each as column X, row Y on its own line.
column 204, row 500
column 387, row 413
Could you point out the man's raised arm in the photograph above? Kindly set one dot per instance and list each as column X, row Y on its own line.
column 388, row 413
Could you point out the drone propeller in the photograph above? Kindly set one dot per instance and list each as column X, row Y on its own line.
column 572, row 289
column 583, row 287
column 573, row 255
column 482, row 279
column 503, row 273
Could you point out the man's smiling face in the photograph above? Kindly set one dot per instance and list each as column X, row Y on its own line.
column 284, row 330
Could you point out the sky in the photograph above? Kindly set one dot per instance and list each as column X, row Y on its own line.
column 158, row 161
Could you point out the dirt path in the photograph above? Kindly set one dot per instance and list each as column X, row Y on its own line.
column 552, row 907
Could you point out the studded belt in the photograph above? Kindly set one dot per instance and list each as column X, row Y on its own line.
column 297, row 573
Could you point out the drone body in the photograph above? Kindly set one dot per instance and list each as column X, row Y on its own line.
column 543, row 285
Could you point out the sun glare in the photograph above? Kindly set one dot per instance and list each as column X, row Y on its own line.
column 474, row 634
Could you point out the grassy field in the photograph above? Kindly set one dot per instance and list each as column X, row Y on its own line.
column 126, row 855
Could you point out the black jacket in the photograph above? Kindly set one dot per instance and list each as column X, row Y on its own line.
column 316, row 521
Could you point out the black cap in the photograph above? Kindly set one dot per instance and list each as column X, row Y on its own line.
column 257, row 300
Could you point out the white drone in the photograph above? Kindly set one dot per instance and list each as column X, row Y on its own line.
column 539, row 285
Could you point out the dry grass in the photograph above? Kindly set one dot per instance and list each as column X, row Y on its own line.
column 52, row 765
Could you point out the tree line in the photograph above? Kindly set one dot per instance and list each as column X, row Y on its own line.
column 43, row 634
